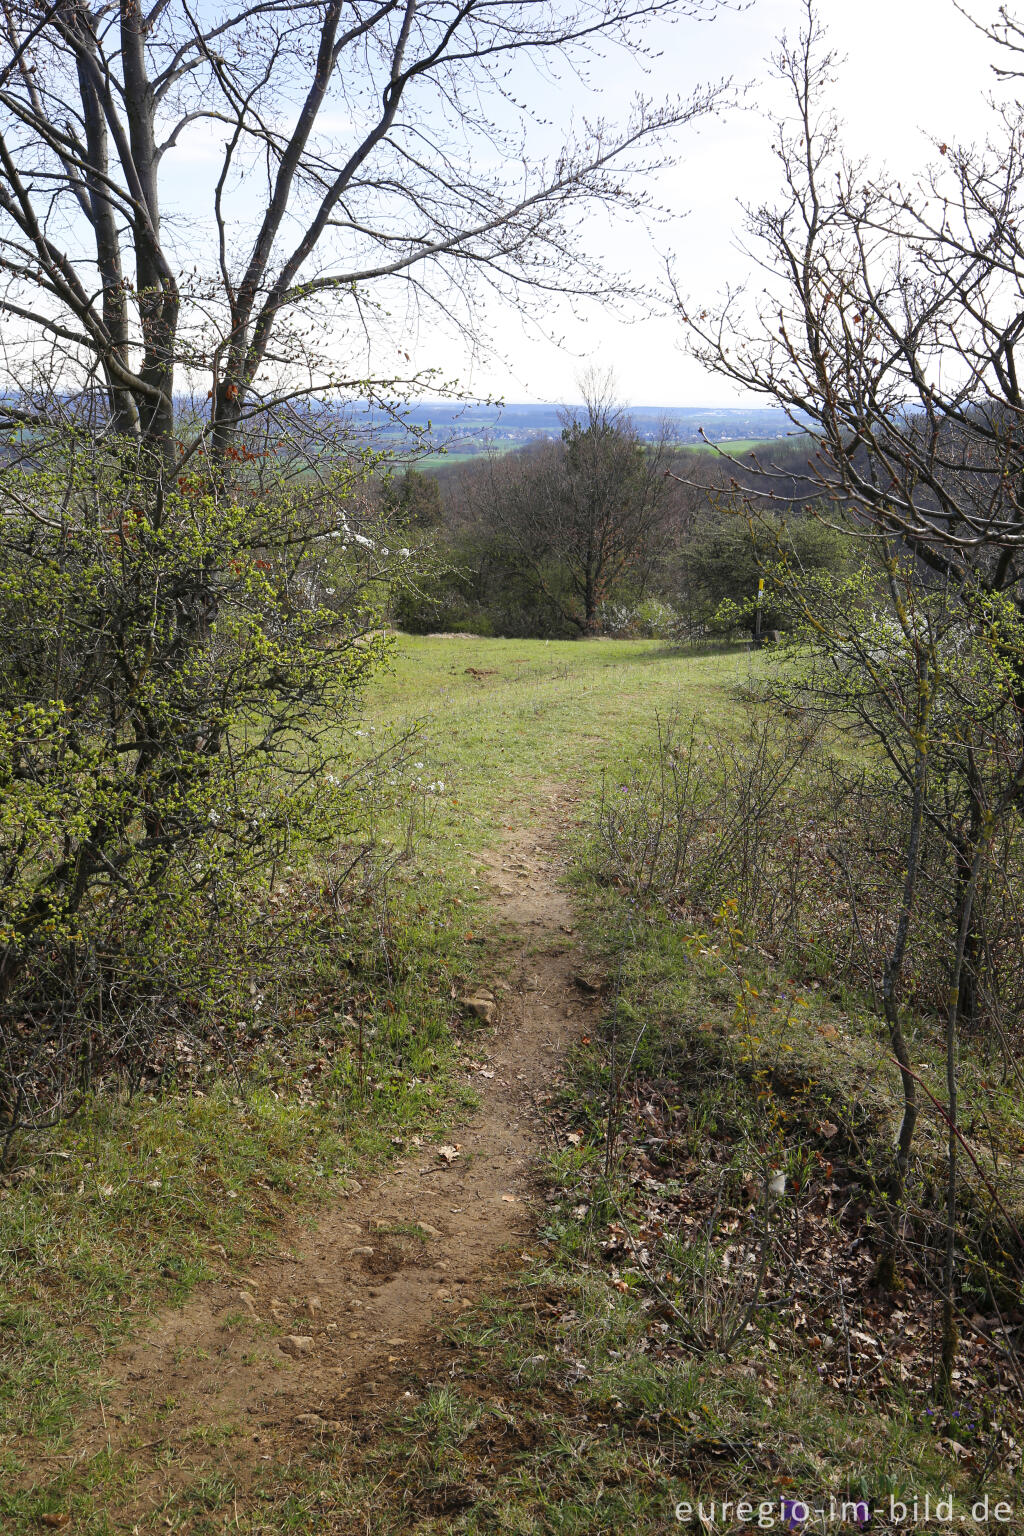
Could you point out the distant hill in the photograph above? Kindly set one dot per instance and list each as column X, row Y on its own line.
column 464, row 430
column 718, row 422
column 456, row 432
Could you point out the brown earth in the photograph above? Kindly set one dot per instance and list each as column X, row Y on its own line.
column 343, row 1316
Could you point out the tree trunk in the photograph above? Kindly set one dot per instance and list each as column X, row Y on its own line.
column 887, row 1267
column 950, row 1336
column 156, row 287
column 966, row 908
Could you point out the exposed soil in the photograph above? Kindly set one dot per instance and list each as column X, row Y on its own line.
column 339, row 1317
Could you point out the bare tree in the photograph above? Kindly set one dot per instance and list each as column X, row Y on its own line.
column 348, row 145
column 890, row 327
column 587, row 516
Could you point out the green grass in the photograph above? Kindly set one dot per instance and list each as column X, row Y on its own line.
column 559, row 1404
column 139, row 1199
column 136, row 1200
column 738, row 446
column 545, row 714
column 552, row 1419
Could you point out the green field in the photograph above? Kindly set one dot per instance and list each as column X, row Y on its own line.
column 538, row 712
column 738, row 446
column 734, row 446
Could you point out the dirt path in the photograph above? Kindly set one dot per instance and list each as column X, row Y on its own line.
column 211, row 1388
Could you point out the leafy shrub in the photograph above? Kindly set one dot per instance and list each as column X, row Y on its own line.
column 177, row 674
column 714, row 585
column 649, row 619
column 477, row 586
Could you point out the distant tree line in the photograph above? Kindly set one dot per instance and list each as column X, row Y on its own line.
column 602, row 532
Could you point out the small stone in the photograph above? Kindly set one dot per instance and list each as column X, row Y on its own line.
column 297, row 1344
column 482, row 1007
column 314, row 1421
column 427, row 1229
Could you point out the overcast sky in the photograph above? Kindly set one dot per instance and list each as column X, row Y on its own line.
column 914, row 69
